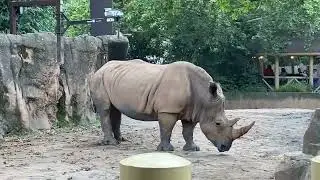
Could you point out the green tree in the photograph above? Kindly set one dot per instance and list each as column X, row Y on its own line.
column 77, row 10
column 33, row 19
column 4, row 16
column 219, row 35
column 36, row 19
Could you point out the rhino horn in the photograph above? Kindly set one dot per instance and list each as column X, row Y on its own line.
column 236, row 133
column 234, row 121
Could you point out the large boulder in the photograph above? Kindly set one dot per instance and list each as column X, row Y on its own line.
column 83, row 55
column 294, row 166
column 37, row 91
column 311, row 139
column 80, row 58
column 29, row 81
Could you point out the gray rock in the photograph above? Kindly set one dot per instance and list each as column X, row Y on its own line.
column 36, row 90
column 294, row 166
column 311, row 139
column 115, row 47
column 28, row 81
column 81, row 55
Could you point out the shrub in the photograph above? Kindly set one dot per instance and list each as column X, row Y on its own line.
column 295, row 87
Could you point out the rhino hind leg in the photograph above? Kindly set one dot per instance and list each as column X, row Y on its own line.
column 115, row 116
column 187, row 132
column 166, row 123
column 106, row 126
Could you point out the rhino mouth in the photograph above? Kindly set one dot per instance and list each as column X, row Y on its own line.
column 222, row 147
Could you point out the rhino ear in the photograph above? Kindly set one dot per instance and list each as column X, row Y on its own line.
column 213, row 88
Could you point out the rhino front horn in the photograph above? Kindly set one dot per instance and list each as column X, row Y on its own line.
column 236, row 133
column 234, row 121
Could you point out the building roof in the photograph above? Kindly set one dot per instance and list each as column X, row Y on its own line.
column 296, row 47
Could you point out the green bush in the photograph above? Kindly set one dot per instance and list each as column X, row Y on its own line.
column 295, row 87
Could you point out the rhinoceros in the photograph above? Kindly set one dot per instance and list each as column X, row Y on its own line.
column 165, row 93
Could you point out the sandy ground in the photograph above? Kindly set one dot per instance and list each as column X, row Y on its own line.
column 74, row 153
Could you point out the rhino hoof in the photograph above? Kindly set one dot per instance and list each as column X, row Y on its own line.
column 109, row 142
column 165, row 147
column 121, row 139
column 191, row 147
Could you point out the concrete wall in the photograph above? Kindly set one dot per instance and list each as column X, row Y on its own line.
column 257, row 100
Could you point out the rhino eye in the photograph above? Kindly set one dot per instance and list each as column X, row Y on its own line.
column 218, row 124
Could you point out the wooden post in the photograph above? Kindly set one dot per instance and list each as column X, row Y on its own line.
column 261, row 67
column 276, row 73
column 13, row 19
column 311, row 71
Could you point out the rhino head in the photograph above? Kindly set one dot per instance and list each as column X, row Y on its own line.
column 214, row 123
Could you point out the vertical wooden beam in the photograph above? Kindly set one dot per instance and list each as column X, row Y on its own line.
column 261, row 66
column 276, row 73
column 13, row 19
column 58, row 30
column 311, row 70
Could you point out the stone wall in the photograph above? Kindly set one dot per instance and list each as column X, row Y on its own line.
column 257, row 100
column 36, row 89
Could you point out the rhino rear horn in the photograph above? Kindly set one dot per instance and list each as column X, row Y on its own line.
column 236, row 133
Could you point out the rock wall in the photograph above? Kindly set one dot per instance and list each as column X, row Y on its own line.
column 258, row 100
column 36, row 90
column 311, row 138
column 297, row 166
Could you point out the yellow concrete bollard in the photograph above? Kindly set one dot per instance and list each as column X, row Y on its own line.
column 155, row 166
column 315, row 168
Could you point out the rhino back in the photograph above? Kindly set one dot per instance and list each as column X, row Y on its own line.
column 189, row 90
column 131, row 87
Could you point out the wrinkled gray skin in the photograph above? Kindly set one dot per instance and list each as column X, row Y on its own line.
column 163, row 93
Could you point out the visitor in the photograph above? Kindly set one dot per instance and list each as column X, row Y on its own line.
column 302, row 73
column 269, row 72
column 283, row 73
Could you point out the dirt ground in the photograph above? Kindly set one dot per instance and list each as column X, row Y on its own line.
column 74, row 153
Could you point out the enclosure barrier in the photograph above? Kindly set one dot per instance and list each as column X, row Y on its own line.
column 155, row 166
column 315, row 168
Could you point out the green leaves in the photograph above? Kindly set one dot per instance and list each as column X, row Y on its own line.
column 4, row 16
column 219, row 35
column 37, row 19
column 77, row 10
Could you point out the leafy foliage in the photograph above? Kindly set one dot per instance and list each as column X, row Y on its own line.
column 37, row 19
column 219, row 35
column 4, row 16
column 77, row 10
column 295, row 87
column 31, row 20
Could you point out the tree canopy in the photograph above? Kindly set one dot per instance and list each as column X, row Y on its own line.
column 219, row 35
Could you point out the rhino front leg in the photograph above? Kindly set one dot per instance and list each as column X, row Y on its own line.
column 166, row 123
column 187, row 133
column 107, row 128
